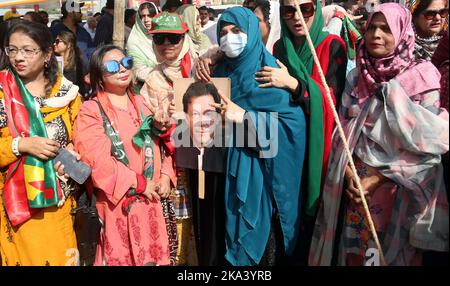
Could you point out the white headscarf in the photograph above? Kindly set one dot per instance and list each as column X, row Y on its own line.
column 275, row 25
column 140, row 47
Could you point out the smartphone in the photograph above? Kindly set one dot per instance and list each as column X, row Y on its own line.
column 77, row 170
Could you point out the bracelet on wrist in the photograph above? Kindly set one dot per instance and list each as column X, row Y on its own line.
column 15, row 146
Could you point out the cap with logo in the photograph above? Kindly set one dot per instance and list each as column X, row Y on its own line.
column 71, row 6
column 168, row 23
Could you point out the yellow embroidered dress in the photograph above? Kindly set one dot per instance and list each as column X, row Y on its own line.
column 47, row 238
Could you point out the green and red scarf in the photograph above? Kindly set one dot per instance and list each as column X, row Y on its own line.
column 300, row 64
column 142, row 139
column 31, row 183
column 351, row 37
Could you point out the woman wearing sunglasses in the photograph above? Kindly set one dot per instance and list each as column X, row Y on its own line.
column 114, row 134
column 429, row 20
column 397, row 133
column 140, row 42
column 175, row 54
column 38, row 107
column 66, row 46
column 262, row 192
column 298, row 72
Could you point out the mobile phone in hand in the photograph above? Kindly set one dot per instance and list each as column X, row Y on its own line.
column 77, row 170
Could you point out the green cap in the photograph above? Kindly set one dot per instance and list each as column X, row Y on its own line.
column 168, row 23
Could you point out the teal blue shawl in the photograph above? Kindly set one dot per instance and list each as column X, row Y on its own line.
column 255, row 185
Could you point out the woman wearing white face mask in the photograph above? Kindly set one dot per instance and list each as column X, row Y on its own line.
column 140, row 42
column 233, row 43
column 262, row 196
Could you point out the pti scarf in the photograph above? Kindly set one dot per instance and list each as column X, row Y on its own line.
column 31, row 183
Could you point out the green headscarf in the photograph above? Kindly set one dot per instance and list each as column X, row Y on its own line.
column 189, row 15
column 300, row 65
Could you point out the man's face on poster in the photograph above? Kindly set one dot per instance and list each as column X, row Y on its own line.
column 202, row 119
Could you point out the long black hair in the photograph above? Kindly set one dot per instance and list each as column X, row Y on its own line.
column 96, row 68
column 41, row 35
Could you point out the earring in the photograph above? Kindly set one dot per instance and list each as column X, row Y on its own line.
column 46, row 65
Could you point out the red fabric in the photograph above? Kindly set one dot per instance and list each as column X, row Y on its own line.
column 323, row 53
column 141, row 184
column 185, row 68
column 444, row 69
column 15, row 194
column 186, row 65
column 109, row 109
column 167, row 141
column 339, row 15
column 441, row 53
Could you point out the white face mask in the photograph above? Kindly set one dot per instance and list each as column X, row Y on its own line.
column 233, row 44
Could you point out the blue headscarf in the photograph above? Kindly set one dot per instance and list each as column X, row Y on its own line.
column 254, row 185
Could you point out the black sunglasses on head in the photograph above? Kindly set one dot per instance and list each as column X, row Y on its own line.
column 288, row 12
column 431, row 14
column 174, row 39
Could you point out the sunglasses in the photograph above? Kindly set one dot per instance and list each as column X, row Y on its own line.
column 288, row 12
column 174, row 39
column 113, row 66
column 431, row 14
column 57, row 41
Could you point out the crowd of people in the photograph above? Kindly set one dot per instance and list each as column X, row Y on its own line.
column 64, row 85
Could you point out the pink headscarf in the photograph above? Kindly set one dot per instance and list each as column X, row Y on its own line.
column 375, row 71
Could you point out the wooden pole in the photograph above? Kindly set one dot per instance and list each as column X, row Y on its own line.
column 342, row 135
column 119, row 23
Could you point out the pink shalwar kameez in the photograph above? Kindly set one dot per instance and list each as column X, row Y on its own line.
column 139, row 238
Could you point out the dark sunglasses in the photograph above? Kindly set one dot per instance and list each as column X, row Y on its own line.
column 288, row 12
column 57, row 41
column 113, row 66
column 431, row 14
column 174, row 39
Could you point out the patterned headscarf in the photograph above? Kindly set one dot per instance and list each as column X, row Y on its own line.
column 375, row 71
